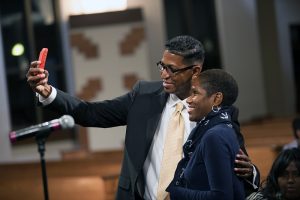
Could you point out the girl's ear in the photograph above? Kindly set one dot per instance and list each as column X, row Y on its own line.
column 218, row 99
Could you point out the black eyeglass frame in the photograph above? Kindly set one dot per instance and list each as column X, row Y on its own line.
column 161, row 67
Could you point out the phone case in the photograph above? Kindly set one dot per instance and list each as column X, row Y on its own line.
column 42, row 57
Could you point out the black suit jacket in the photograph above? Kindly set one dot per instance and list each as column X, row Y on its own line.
column 140, row 110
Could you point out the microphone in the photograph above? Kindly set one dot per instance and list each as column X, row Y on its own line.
column 65, row 122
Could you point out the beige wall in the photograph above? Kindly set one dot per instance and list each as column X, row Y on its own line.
column 240, row 50
column 109, row 67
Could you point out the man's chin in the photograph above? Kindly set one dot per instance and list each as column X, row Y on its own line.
column 169, row 89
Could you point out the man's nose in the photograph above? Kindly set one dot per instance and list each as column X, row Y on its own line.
column 164, row 73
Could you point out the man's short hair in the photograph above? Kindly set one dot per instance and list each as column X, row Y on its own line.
column 188, row 47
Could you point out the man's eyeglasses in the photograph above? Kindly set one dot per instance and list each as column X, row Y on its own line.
column 171, row 71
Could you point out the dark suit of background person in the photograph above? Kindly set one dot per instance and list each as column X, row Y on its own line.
column 211, row 148
column 141, row 110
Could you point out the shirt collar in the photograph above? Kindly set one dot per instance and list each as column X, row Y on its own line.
column 173, row 100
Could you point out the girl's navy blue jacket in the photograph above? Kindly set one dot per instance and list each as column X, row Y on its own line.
column 207, row 169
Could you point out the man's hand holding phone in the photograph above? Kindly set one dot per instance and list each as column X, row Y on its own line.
column 37, row 76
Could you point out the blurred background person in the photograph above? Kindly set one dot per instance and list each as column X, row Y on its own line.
column 283, row 181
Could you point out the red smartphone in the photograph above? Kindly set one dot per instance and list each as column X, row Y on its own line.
column 42, row 57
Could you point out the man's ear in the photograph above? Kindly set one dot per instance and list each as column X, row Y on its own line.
column 197, row 70
column 218, row 99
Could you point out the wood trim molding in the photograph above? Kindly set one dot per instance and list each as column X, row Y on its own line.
column 108, row 18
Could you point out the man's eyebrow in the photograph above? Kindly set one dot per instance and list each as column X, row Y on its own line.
column 167, row 65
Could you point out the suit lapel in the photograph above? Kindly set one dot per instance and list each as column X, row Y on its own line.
column 158, row 103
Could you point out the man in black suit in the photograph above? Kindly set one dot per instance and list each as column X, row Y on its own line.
column 145, row 110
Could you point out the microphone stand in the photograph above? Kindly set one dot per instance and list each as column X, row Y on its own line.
column 41, row 140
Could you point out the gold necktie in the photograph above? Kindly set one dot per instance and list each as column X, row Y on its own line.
column 172, row 151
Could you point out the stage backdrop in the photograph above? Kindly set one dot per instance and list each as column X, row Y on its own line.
column 109, row 53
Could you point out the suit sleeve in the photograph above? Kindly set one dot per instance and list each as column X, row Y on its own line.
column 108, row 113
column 219, row 167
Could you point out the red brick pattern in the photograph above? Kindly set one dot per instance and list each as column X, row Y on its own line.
column 84, row 45
column 131, row 41
column 129, row 80
column 90, row 89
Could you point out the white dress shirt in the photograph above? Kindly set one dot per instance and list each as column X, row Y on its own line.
column 152, row 164
column 46, row 101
